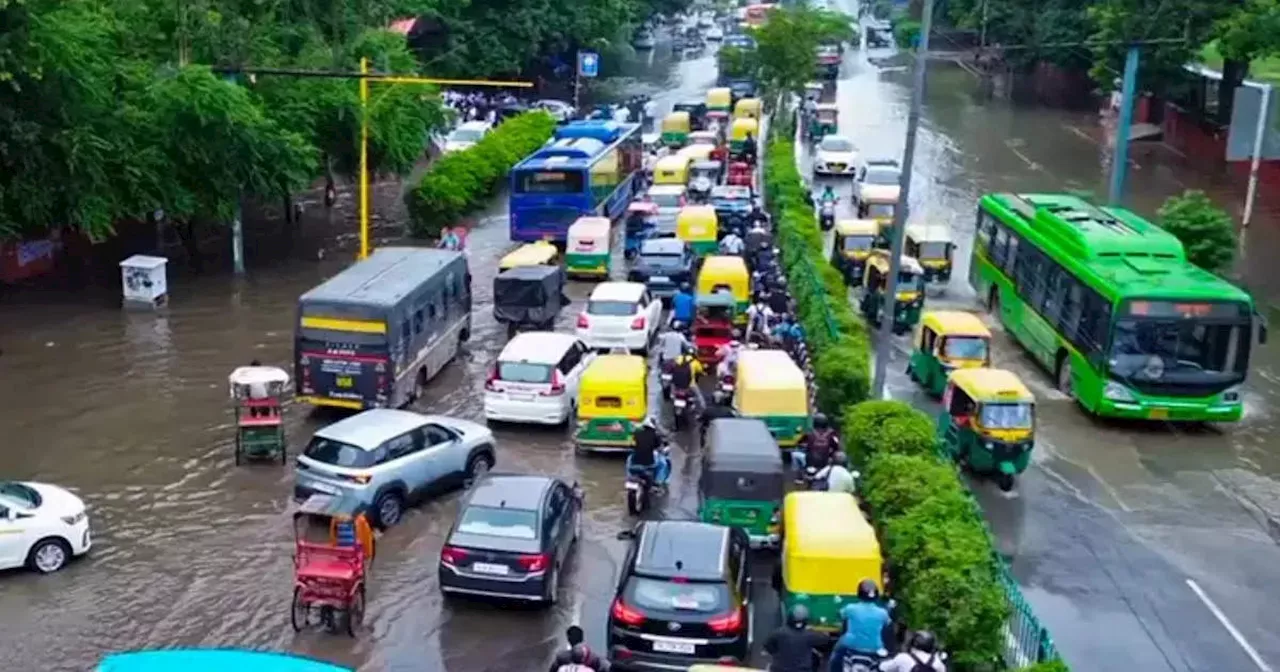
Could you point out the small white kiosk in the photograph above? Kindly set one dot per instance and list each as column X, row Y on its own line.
column 143, row 281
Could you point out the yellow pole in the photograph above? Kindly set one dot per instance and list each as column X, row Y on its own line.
column 364, row 159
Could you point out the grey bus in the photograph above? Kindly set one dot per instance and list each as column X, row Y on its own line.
column 373, row 335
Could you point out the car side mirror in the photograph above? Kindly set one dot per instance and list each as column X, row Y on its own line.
column 625, row 535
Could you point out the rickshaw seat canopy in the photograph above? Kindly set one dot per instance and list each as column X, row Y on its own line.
column 699, row 152
column 272, row 379
column 721, row 98
column 770, row 383
column 955, row 323
column 743, row 127
column 696, row 223
column 924, row 233
column 829, row 545
column 619, row 378
column 725, row 270
column 742, row 444
column 992, row 386
column 540, row 253
column 858, row 227
column 590, row 227
column 747, row 108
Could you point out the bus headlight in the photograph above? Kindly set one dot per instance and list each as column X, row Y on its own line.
column 1231, row 395
column 1116, row 392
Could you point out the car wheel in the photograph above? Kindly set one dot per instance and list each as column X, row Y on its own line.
column 477, row 467
column 49, row 555
column 552, row 594
column 388, row 509
column 419, row 386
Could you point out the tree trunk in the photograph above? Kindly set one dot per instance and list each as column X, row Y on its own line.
column 187, row 232
column 1233, row 74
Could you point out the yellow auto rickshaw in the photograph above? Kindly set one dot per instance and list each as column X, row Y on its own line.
column 828, row 548
column 540, row 253
column 947, row 340
column 698, row 152
column 987, row 423
column 675, row 129
column 720, row 272
column 910, row 299
column 587, row 247
column 720, row 99
column 747, row 108
column 672, row 169
column 854, row 241
column 932, row 245
column 772, row 388
column 697, row 226
column 613, row 397
column 740, row 131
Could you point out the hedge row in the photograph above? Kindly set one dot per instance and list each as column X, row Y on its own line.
column 461, row 182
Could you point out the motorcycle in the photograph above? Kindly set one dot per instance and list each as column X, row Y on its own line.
column 861, row 661
column 700, row 190
column 642, row 483
column 827, row 215
column 665, row 378
column 682, row 405
column 815, row 479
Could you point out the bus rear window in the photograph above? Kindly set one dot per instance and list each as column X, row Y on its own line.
column 550, row 182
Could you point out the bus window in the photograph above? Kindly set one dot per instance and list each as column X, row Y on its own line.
column 551, row 182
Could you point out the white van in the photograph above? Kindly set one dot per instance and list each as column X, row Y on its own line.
column 535, row 379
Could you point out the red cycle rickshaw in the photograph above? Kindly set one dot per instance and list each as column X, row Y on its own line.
column 329, row 575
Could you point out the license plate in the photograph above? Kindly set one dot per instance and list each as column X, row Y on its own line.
column 661, row 646
column 486, row 568
column 659, row 278
column 343, row 381
column 632, row 485
column 680, row 403
column 521, row 397
column 728, row 387
column 324, row 489
column 1159, row 414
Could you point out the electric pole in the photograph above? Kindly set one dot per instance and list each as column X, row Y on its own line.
column 1120, row 153
column 888, row 306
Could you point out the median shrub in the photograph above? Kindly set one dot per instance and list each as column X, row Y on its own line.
column 881, row 426
column 459, row 183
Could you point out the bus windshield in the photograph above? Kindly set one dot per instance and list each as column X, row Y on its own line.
column 1006, row 416
column 1171, row 353
column 551, row 182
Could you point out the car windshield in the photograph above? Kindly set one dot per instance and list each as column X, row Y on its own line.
column 466, row 135
column 933, row 250
column 339, row 454
column 499, row 522
column 881, row 176
column 611, row 308
column 523, row 372
column 1006, row 416
column 858, row 243
column 666, row 200
column 964, row 347
column 661, row 260
column 20, row 493
column 834, row 144
column 1179, row 351
column 660, row 595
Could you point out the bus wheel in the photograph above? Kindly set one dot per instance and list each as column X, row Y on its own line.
column 419, row 386
column 993, row 302
column 1064, row 376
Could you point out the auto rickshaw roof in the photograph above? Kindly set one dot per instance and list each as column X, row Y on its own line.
column 616, row 369
column 954, row 323
column 746, row 123
column 700, row 210
column 929, row 233
column 265, row 375
column 673, row 162
column 323, row 505
column 769, row 370
column 696, row 152
column 725, row 264
column 590, row 226
column 827, row 524
column 992, row 385
column 855, row 227
column 530, row 254
column 539, row 273
column 742, row 444
column 880, row 259
column 677, row 115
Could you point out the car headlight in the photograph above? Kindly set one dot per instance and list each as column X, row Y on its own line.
column 989, row 445
column 1116, row 392
column 1231, row 395
column 72, row 520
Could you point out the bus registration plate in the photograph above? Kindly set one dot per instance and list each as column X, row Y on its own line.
column 1159, row 414
column 343, row 381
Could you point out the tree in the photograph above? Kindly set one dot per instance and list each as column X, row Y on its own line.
column 786, row 45
column 736, row 62
column 1206, row 231
column 1028, row 24
column 1189, row 24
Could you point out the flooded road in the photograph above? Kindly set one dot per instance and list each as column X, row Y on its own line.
column 1140, row 547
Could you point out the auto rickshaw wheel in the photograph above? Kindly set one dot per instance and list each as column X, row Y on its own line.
column 300, row 613
column 1005, row 481
column 239, row 449
column 355, row 611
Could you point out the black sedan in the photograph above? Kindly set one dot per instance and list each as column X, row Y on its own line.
column 663, row 264
column 512, row 538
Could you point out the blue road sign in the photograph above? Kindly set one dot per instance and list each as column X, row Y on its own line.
column 588, row 63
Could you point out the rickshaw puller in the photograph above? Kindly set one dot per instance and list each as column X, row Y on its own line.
column 816, row 446
column 868, row 628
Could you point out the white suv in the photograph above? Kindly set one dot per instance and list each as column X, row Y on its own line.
column 536, row 378
column 620, row 315
column 41, row 526
column 385, row 458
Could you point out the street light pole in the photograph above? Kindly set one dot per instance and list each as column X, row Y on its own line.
column 889, row 303
column 364, row 158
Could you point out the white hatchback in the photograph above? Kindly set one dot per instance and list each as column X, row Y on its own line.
column 41, row 526
column 620, row 315
column 535, row 379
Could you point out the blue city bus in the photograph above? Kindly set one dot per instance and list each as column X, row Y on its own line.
column 212, row 660
column 588, row 168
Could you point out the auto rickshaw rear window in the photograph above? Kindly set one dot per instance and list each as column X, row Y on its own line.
column 608, row 402
column 666, row 595
column 341, row 454
column 671, row 260
column 667, row 200
column 1006, row 416
column 879, row 210
column 550, row 182
column 932, row 250
column 492, row 521
column 611, row 308
column 882, row 176
column 964, row 347
column 524, row 372
column 859, row 243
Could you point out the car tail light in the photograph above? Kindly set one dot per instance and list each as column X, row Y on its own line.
column 491, row 379
column 557, row 385
column 357, row 478
column 728, row 660
column 534, row 563
column 452, row 555
column 726, row 623
column 582, row 321
column 626, row 614
column 638, row 323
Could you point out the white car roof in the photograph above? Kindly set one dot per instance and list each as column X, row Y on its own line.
column 537, row 347
column 667, row 189
column 617, row 291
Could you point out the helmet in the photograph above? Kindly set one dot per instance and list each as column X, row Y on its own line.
column 868, row 590
column 684, row 286
column 820, row 420
column 840, row 458
column 924, row 641
column 649, row 422
column 800, row 616
column 734, row 343
column 677, row 325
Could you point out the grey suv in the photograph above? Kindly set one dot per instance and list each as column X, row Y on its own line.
column 386, row 458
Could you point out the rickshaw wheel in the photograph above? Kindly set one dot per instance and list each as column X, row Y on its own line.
column 355, row 611
column 299, row 612
column 328, row 616
column 1005, row 481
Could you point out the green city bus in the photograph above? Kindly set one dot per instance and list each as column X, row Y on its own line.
column 1108, row 303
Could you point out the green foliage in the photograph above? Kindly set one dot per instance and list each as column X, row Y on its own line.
column 1119, row 21
column 1206, row 231
column 462, row 181
column 906, row 32
column 1250, row 32
column 883, row 426
column 787, row 43
column 1051, row 666
column 736, row 62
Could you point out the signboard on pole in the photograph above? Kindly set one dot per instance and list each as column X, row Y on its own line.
column 588, row 64
column 1246, row 115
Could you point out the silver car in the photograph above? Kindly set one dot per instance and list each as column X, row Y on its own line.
column 387, row 458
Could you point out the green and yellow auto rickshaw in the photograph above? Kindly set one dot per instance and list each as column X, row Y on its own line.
column 675, row 129
column 743, row 479
column 828, row 548
column 987, row 423
column 825, row 121
column 772, row 388
column 697, row 226
column 910, row 299
column 587, row 248
column 720, row 99
column 748, row 108
column 742, row 129
column 726, row 272
column 613, row 399
column 854, row 241
column 932, row 246
column 947, row 340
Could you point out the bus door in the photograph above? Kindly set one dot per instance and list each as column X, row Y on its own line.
column 345, row 361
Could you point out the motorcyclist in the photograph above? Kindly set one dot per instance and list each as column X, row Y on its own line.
column 839, row 478
column 779, row 302
column 450, row 240
column 684, row 376
column 921, row 655
column 758, row 216
column 828, row 195
column 792, row 646
column 868, row 629
column 817, row 446
column 577, row 653
column 732, row 244
column 749, row 149
column 682, row 304
column 758, row 317
column 647, row 453
column 728, row 355
column 672, row 342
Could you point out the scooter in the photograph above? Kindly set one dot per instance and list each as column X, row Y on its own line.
column 827, row 215
column 682, row 406
column 642, row 483
column 861, row 661
column 665, row 377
